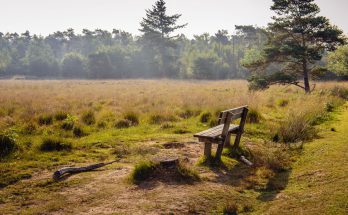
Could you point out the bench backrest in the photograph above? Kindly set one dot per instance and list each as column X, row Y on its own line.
column 227, row 116
column 237, row 113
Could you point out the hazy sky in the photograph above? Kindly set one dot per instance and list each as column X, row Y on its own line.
column 46, row 16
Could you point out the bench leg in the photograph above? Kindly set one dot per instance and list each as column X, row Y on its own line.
column 237, row 140
column 228, row 141
column 219, row 152
column 207, row 150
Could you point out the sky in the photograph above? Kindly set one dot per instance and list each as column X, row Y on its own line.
column 47, row 16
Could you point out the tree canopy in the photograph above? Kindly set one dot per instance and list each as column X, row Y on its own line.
column 297, row 40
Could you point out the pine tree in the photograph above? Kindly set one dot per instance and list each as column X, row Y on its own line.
column 298, row 38
column 157, row 28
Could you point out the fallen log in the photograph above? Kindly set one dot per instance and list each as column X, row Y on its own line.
column 72, row 170
column 246, row 161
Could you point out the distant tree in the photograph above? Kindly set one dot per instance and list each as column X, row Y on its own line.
column 298, row 38
column 100, row 66
column 222, row 37
column 157, row 28
column 40, row 60
column 74, row 65
column 338, row 61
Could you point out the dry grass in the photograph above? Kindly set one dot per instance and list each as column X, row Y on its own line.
column 84, row 113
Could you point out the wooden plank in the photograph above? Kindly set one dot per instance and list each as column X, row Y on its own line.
column 217, row 131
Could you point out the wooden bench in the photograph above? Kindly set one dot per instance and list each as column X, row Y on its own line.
column 221, row 134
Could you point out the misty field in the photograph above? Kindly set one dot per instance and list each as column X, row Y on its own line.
column 46, row 125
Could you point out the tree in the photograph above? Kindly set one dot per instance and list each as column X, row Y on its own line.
column 338, row 61
column 74, row 65
column 157, row 28
column 297, row 40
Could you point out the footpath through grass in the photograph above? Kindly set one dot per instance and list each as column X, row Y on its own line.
column 318, row 183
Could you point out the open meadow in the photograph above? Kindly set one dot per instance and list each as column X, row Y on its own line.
column 47, row 125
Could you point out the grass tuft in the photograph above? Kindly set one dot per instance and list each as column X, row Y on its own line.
column 7, row 145
column 55, row 144
column 60, row 116
column 132, row 117
column 254, row 116
column 45, row 119
column 205, row 117
column 142, row 171
column 123, row 123
column 88, row 117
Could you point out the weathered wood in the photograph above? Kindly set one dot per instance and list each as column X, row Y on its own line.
column 207, row 150
column 216, row 131
column 169, row 163
column 241, row 129
column 246, row 161
column 221, row 134
column 224, row 134
column 71, row 170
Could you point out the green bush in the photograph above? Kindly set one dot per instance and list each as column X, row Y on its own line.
column 205, row 117
column 133, row 118
column 54, row 144
column 123, row 123
column 7, row 145
column 254, row 116
column 45, row 120
column 142, row 171
column 88, row 117
column 60, row 116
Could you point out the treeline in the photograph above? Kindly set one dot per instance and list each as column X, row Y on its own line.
column 101, row 54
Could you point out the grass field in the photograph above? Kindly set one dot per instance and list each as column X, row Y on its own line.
column 46, row 125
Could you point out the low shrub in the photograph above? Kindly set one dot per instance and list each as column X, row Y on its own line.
column 88, row 117
column 60, row 116
column 7, row 145
column 132, row 117
column 205, row 117
column 254, row 116
column 102, row 124
column 45, row 120
column 123, row 123
column 54, row 144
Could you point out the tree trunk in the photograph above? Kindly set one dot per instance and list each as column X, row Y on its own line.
column 306, row 77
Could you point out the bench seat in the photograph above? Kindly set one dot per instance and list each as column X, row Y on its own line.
column 215, row 132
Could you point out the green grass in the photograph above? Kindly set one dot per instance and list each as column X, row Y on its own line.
column 318, row 181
